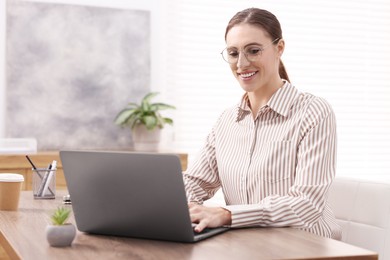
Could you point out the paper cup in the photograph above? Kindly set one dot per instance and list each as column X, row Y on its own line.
column 10, row 186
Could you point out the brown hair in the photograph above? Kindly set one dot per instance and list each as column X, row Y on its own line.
column 264, row 19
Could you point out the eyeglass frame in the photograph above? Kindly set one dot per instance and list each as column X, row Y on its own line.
column 245, row 54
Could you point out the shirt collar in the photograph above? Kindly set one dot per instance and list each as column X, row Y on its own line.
column 280, row 102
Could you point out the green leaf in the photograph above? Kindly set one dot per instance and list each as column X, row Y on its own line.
column 60, row 215
column 145, row 102
column 161, row 106
column 150, row 122
column 131, row 104
column 149, row 96
column 145, row 106
column 168, row 120
column 160, row 120
column 123, row 116
column 135, row 122
column 133, row 118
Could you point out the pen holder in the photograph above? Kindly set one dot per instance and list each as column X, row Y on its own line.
column 44, row 183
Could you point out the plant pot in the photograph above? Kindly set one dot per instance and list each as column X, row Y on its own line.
column 60, row 236
column 146, row 140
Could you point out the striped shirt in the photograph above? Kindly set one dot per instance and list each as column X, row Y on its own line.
column 274, row 170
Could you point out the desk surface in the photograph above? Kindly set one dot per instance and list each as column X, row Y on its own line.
column 23, row 236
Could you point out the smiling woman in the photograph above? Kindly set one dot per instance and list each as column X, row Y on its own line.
column 335, row 49
column 274, row 153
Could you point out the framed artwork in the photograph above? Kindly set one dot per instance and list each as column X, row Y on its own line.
column 70, row 69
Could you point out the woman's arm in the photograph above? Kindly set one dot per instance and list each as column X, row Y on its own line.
column 201, row 178
column 315, row 169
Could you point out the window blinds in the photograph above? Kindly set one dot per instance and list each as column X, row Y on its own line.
column 334, row 49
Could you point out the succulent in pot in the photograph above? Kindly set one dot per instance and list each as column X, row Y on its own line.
column 60, row 233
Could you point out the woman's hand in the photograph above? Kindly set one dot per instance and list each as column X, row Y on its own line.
column 210, row 217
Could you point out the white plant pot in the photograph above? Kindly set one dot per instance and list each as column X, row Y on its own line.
column 146, row 140
column 60, row 236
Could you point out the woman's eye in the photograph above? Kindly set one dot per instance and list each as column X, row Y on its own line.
column 233, row 53
column 253, row 51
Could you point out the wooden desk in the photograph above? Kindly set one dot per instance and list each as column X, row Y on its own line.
column 18, row 163
column 23, row 236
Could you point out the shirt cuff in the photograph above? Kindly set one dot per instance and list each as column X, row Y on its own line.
column 245, row 215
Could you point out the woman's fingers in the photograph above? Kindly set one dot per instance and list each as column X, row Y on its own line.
column 208, row 216
column 200, row 226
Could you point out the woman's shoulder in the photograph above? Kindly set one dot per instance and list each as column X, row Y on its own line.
column 318, row 103
column 316, row 107
column 228, row 115
column 229, row 112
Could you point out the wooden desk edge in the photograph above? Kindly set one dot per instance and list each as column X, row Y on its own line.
column 12, row 254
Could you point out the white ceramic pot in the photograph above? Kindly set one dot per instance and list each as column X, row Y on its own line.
column 60, row 236
column 146, row 140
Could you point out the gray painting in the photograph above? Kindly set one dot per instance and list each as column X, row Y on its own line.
column 71, row 69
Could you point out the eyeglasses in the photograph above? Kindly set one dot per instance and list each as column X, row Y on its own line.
column 251, row 53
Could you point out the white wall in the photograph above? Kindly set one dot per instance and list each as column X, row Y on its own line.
column 156, row 7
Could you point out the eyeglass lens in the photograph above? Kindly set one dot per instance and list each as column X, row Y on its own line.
column 251, row 53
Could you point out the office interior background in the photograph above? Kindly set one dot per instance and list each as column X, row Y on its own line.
column 334, row 49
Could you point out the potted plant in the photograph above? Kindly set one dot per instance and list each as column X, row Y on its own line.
column 145, row 121
column 60, row 233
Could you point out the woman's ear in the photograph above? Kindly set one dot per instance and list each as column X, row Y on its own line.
column 280, row 47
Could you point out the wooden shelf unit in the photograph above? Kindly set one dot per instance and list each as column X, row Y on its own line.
column 17, row 163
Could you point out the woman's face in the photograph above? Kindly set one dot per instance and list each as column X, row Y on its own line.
column 261, row 71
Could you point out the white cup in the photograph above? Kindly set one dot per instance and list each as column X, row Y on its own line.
column 10, row 187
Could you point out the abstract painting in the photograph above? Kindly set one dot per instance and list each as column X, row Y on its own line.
column 70, row 69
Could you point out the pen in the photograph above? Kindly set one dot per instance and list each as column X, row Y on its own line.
column 34, row 167
column 32, row 164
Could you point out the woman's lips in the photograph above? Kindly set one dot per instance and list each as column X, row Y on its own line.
column 247, row 75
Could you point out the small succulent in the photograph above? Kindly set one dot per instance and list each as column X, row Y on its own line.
column 60, row 215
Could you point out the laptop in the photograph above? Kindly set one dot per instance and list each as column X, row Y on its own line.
column 130, row 194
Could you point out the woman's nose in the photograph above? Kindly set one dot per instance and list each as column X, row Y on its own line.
column 242, row 61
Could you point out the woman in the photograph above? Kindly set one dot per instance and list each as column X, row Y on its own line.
column 274, row 153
